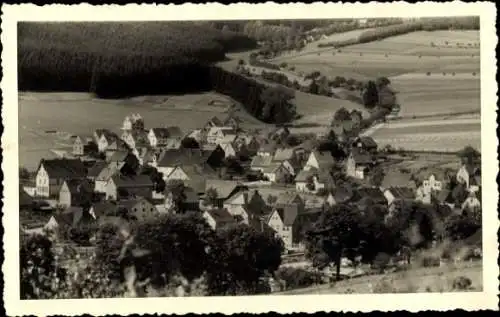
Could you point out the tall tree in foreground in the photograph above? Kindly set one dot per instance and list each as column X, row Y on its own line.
column 242, row 256
column 370, row 95
column 278, row 106
column 336, row 234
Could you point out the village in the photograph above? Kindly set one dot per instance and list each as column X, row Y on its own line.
column 231, row 176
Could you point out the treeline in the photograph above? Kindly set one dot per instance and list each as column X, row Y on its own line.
column 165, row 37
column 79, row 55
column 254, row 61
column 125, row 75
column 425, row 24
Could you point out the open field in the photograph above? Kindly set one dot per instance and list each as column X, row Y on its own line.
column 434, row 279
column 320, row 109
column 407, row 53
column 445, row 135
column 80, row 113
column 437, row 94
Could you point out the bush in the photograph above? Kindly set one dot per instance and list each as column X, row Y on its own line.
column 283, row 65
column 444, row 73
column 473, row 73
column 297, row 277
column 430, row 261
column 461, row 283
column 386, row 55
column 453, row 74
column 428, row 73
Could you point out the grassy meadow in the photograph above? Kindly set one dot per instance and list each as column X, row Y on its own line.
column 431, row 279
column 80, row 114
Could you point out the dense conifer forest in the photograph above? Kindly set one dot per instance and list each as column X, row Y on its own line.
column 116, row 60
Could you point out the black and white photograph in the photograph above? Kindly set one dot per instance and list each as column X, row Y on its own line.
column 261, row 158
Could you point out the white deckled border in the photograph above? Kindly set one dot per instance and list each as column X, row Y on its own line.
column 227, row 305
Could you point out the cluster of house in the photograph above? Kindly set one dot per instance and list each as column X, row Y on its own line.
column 110, row 179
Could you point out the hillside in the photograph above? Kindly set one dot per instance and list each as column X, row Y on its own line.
column 87, row 56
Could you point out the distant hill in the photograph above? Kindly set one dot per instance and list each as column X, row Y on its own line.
column 83, row 56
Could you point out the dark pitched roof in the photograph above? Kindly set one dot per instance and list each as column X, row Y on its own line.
column 289, row 198
column 444, row 196
column 374, row 193
column 132, row 181
column 221, row 216
column 404, row 193
column 361, row 157
column 325, row 159
column 288, row 214
column 174, row 132
column 73, row 216
column 472, row 169
column 197, row 175
column 398, row 179
column 97, row 168
column 304, row 176
column 110, row 136
column 342, row 194
column 261, row 161
column 191, row 195
column 224, row 188
column 118, row 156
column 283, row 154
column 104, row 208
column 161, row 133
column 368, row 142
column 182, row 157
column 78, row 186
column 268, row 147
column 325, row 177
column 64, row 168
column 215, row 121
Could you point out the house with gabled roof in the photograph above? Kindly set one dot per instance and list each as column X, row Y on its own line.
column 136, row 209
column 224, row 188
column 288, row 157
column 115, row 146
column 339, row 195
column 232, row 121
column 214, row 122
column 51, row 174
column 75, row 192
column 158, row 136
column 169, row 159
column 95, row 170
column 267, row 149
column 250, row 143
column 246, row 204
column 145, row 155
column 135, row 138
column 218, row 218
column 290, row 223
column 83, row 145
column 279, row 134
column 365, row 143
column 359, row 163
column 259, row 163
column 72, row 218
column 104, row 175
column 473, row 202
column 374, row 193
column 104, row 138
column 277, row 173
column 470, row 176
column 319, row 161
column 216, row 134
column 399, row 195
column 126, row 187
column 123, row 160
